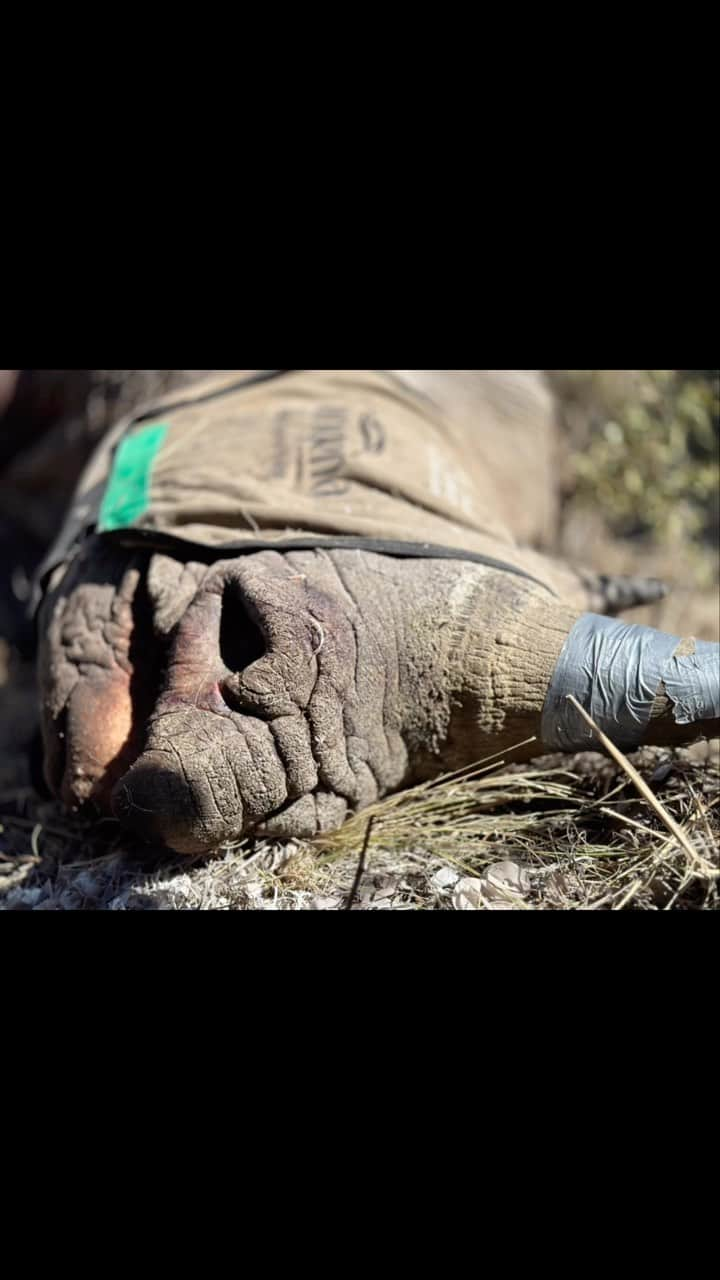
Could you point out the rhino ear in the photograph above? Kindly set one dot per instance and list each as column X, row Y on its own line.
column 614, row 593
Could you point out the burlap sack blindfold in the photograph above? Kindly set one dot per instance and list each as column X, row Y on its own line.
column 298, row 459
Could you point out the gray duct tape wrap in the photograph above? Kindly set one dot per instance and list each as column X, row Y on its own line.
column 615, row 669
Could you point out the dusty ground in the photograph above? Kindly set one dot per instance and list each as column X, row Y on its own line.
column 560, row 834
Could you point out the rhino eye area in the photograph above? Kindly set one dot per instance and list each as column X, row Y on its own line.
column 241, row 640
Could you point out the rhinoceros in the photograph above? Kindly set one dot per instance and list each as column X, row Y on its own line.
column 280, row 595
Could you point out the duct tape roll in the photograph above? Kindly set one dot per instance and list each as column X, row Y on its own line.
column 615, row 670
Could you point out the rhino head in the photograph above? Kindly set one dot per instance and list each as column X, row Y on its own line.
column 276, row 691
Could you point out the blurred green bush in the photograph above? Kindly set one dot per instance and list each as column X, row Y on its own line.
column 647, row 450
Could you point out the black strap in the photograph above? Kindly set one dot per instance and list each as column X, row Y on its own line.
column 266, row 375
column 185, row 549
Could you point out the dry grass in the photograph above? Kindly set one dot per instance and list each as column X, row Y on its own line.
column 585, row 841
column 569, row 834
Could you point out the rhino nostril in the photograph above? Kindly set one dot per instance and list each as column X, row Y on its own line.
column 241, row 640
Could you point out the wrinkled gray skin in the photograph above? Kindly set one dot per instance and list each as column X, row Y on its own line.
column 275, row 693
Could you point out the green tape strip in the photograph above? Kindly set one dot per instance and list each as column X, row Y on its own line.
column 127, row 496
